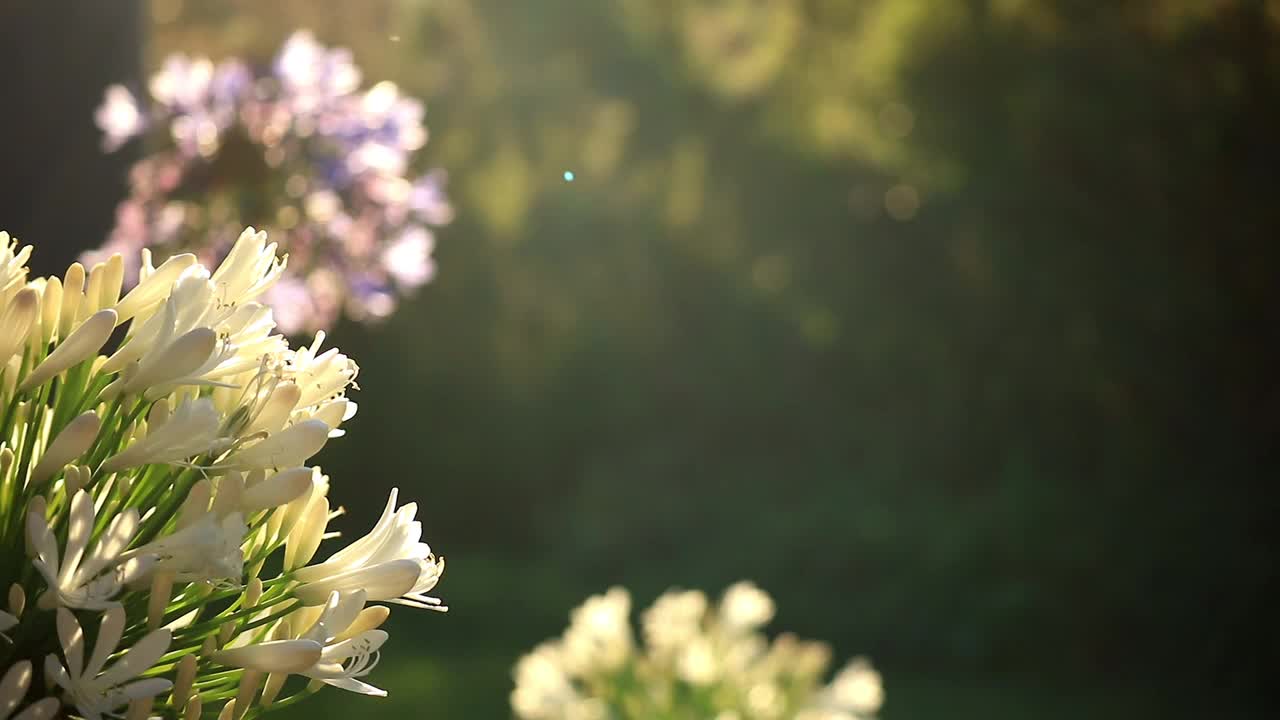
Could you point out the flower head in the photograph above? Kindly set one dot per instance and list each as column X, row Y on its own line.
column 159, row 486
column 344, row 203
column 696, row 661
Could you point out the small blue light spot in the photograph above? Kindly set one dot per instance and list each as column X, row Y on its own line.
column 568, row 176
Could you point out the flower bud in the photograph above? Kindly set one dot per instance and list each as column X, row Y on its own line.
column 15, row 322
column 279, row 489
column 84, row 342
column 17, row 600
column 70, row 444
column 112, row 281
column 194, row 709
column 92, row 292
column 50, row 306
column 282, row 656
column 72, row 296
column 183, row 680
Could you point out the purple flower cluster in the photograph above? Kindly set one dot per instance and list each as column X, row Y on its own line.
column 295, row 148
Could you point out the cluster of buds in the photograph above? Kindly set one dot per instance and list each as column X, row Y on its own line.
column 158, row 500
column 296, row 147
column 698, row 662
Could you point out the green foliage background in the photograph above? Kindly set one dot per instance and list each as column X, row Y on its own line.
column 948, row 321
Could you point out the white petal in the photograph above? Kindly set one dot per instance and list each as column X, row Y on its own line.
column 109, row 632
column 44, row 544
column 71, row 636
column 149, row 687
column 43, row 709
column 139, row 658
column 79, row 527
column 54, row 670
column 383, row 581
column 14, row 686
column 356, row 686
column 155, row 288
column 289, row 447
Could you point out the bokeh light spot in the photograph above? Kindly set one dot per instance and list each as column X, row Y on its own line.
column 902, row 202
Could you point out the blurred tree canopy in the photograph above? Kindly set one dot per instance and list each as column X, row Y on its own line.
column 949, row 322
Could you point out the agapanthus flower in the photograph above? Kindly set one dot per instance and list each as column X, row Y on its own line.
column 297, row 146
column 151, row 480
column 697, row 660
column 93, row 688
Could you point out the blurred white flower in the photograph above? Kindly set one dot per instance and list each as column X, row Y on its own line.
column 745, row 607
column 599, row 634
column 696, row 662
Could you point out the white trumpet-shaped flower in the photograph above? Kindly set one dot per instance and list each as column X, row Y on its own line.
column 93, row 690
column 199, row 336
column 192, row 429
column 350, row 645
column 250, row 269
column 13, row 263
column 320, row 375
column 13, row 688
column 154, row 285
column 81, row 580
column 390, row 562
column 207, row 549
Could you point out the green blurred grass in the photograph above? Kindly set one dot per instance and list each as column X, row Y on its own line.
column 459, row 665
column 475, row 687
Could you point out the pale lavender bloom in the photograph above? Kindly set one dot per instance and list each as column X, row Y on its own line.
column 119, row 117
column 312, row 75
column 428, row 200
column 292, row 305
column 332, row 185
column 182, row 85
column 408, row 257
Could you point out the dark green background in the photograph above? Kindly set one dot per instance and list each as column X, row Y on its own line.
column 1015, row 447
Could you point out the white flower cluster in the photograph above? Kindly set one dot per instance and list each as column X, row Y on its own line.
column 698, row 662
column 161, row 494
